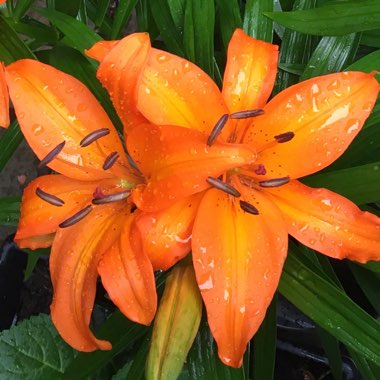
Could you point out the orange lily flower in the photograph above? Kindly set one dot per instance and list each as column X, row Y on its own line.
column 244, row 211
column 84, row 212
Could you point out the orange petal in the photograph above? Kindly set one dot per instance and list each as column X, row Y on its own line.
column 176, row 162
column 119, row 72
column 167, row 234
column 4, row 99
column 328, row 222
column 127, row 275
column 173, row 91
column 74, row 258
column 39, row 217
column 325, row 114
column 238, row 259
column 100, row 49
column 37, row 241
column 250, row 72
column 53, row 107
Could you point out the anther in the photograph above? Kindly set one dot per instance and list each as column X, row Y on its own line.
column 49, row 198
column 76, row 217
column 284, row 137
column 93, row 136
column 223, row 186
column 110, row 160
column 275, row 182
column 247, row 207
column 246, row 114
column 52, row 154
column 116, row 197
column 217, row 129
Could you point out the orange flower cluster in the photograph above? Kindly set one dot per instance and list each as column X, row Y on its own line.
column 215, row 173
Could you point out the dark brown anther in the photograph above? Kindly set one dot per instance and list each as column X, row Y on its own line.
column 52, row 154
column 217, row 129
column 49, row 198
column 93, row 136
column 223, row 186
column 275, row 182
column 247, row 207
column 110, row 160
column 246, row 114
column 116, row 197
column 76, row 217
column 284, row 137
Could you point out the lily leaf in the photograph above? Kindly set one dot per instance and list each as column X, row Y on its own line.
column 255, row 23
column 335, row 19
column 9, row 211
column 329, row 307
column 9, row 142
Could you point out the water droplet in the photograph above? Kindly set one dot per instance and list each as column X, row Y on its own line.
column 37, row 129
column 82, row 107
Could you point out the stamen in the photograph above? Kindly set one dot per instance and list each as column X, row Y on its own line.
column 76, row 217
column 275, row 182
column 247, row 207
column 49, row 198
column 223, row 186
column 260, row 170
column 116, row 197
column 110, row 160
column 52, row 154
column 246, row 114
column 284, row 137
column 217, row 129
column 93, row 136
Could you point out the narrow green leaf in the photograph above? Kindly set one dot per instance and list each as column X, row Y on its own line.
column 369, row 283
column 361, row 184
column 255, row 23
column 137, row 368
column 331, row 55
column 71, row 29
column 295, row 51
column 170, row 33
column 70, row 8
column 199, row 33
column 369, row 63
column 338, row 18
column 9, row 142
column 122, row 14
column 74, row 63
column 203, row 361
column 33, row 350
column 329, row 307
column 229, row 18
column 12, row 47
column 33, row 257
column 264, row 354
column 120, row 331
column 367, row 369
column 177, row 11
column 9, row 211
column 371, row 38
column 101, row 11
column 373, row 266
column 21, row 7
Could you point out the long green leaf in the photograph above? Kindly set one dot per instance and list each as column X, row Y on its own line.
column 199, row 33
column 122, row 14
column 12, row 47
column 295, row 50
column 264, row 354
column 203, row 361
column 338, row 18
column 169, row 31
column 255, row 23
column 361, row 184
column 9, row 211
column 331, row 55
column 371, row 38
column 72, row 29
column 120, row 331
column 9, row 142
column 329, row 307
column 229, row 18
column 21, row 7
